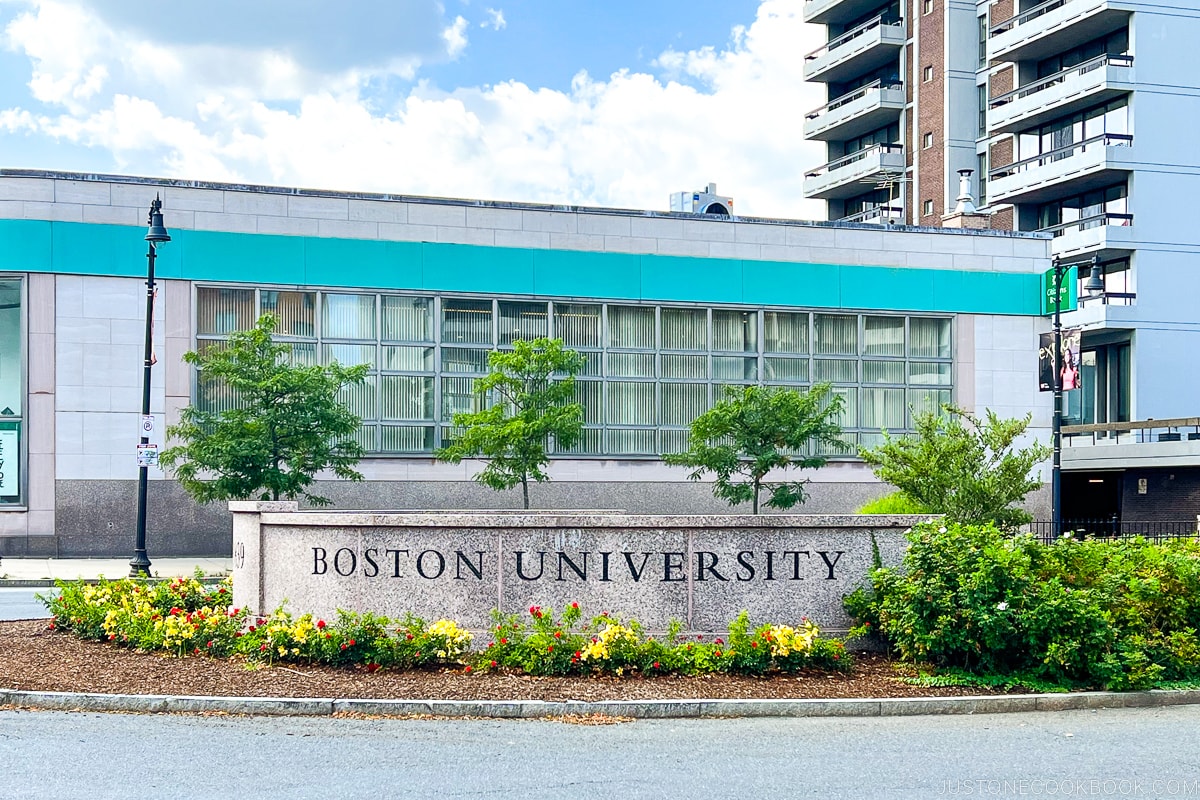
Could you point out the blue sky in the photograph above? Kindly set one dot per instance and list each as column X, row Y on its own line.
column 616, row 103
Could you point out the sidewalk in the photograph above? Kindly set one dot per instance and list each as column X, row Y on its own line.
column 44, row 571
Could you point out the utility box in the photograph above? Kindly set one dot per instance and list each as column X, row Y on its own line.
column 705, row 201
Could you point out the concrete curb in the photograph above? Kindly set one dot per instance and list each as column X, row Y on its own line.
column 636, row 709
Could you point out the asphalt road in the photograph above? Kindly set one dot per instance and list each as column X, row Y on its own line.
column 1110, row 753
column 21, row 603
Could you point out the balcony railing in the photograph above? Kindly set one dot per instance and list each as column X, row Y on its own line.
column 1107, row 299
column 1177, row 429
column 853, row 33
column 1086, row 223
column 876, row 149
column 1031, row 14
column 850, row 97
column 1060, row 153
column 1060, row 77
column 880, row 213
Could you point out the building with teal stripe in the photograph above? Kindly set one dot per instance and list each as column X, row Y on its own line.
column 668, row 309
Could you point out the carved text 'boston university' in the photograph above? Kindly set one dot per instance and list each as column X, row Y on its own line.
column 603, row 567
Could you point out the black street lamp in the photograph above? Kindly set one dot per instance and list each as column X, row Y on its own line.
column 1095, row 283
column 156, row 235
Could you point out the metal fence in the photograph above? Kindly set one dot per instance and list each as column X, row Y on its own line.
column 1111, row 529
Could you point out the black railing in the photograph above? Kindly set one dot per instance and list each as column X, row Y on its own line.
column 1116, row 529
column 1042, row 84
column 1021, row 19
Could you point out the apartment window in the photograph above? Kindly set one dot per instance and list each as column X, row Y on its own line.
column 927, row 6
column 982, row 90
column 927, row 207
column 982, row 171
column 649, row 369
column 926, row 140
column 890, row 12
column 983, row 38
column 1110, row 117
column 888, row 134
column 876, row 205
column 1116, row 43
column 1105, row 206
column 927, row 73
column 12, row 391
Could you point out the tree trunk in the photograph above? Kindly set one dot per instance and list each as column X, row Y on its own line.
column 525, row 490
column 757, row 489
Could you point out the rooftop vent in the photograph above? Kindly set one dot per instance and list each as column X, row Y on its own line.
column 704, row 201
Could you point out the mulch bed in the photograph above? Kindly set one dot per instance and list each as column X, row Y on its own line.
column 35, row 658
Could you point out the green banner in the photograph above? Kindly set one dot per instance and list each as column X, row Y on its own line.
column 1068, row 293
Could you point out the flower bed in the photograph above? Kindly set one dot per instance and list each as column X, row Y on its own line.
column 186, row 618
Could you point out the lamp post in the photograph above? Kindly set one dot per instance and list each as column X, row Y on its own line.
column 155, row 235
column 1094, row 284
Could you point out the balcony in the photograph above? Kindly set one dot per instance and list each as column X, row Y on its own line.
column 1126, row 445
column 1054, row 26
column 1071, row 169
column 1107, row 235
column 1083, row 85
column 855, row 173
column 858, row 50
column 880, row 215
column 836, row 12
column 855, row 113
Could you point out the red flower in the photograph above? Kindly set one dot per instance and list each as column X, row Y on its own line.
column 252, row 629
column 328, row 635
column 491, row 644
column 577, row 654
column 866, row 624
column 196, row 651
column 558, row 634
column 372, row 667
column 262, row 647
column 836, row 657
column 754, row 644
column 550, row 649
column 320, row 624
column 51, row 624
column 718, row 654
column 656, row 665
column 604, row 613
column 504, row 641
column 210, row 643
column 343, row 647
column 468, row 669
column 408, row 636
column 575, row 605
column 351, row 643
column 493, row 663
column 720, row 641
column 174, row 610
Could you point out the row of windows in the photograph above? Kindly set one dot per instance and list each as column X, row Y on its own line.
column 649, row 369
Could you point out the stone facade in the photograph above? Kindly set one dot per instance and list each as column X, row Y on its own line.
column 701, row 570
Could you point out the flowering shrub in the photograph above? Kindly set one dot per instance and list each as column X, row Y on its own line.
column 544, row 645
column 184, row 617
column 1120, row 615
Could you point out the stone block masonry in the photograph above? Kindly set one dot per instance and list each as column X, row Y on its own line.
column 702, row 570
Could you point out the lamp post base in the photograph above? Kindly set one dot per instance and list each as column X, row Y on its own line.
column 139, row 567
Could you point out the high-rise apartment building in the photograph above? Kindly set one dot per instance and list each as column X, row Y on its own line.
column 1075, row 117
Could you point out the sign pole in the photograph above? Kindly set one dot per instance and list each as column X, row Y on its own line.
column 1056, row 470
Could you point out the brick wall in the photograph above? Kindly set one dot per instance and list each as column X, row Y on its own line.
column 1002, row 81
column 1002, row 10
column 930, row 114
column 1172, row 493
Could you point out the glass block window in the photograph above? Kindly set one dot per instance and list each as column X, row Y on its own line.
column 649, row 370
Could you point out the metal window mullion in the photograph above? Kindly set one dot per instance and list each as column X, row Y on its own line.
column 436, row 326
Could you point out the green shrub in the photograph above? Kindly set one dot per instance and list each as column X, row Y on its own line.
column 973, row 598
column 894, row 503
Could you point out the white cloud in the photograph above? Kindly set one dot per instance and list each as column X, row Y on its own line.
column 732, row 115
column 495, row 20
column 456, row 37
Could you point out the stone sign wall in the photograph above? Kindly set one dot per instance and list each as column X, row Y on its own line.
column 702, row 570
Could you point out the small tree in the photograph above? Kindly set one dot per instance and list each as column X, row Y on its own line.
column 757, row 429
column 532, row 390
column 962, row 467
column 286, row 425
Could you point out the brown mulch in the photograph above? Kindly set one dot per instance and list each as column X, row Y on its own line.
column 35, row 658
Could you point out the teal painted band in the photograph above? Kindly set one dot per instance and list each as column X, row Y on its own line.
column 85, row 249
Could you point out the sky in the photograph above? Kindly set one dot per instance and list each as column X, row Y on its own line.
column 613, row 104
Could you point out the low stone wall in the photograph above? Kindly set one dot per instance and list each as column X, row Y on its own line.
column 702, row 570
